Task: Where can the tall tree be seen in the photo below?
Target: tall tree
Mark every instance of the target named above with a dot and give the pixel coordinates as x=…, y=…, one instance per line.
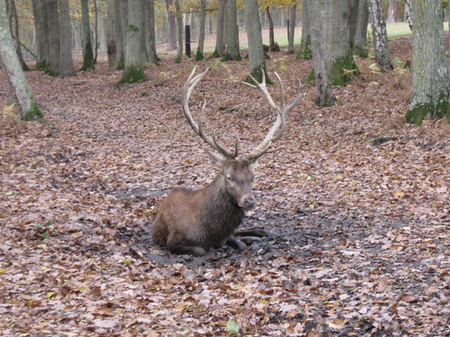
x=150, y=32
x=220, y=45
x=256, y=59
x=66, y=61
x=392, y=11
x=40, y=13
x=379, y=33
x=321, y=27
x=88, y=54
x=305, y=51
x=28, y=108
x=12, y=13
x=172, y=25
x=431, y=83
x=134, y=60
x=359, y=20
x=291, y=28
x=232, y=33
x=179, y=32
x=53, y=37
x=201, y=31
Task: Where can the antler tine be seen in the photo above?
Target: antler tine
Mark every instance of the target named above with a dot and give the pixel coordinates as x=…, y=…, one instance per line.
x=263, y=88
x=198, y=128
x=278, y=128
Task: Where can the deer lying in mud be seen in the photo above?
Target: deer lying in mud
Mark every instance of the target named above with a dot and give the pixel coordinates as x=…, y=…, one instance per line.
x=193, y=221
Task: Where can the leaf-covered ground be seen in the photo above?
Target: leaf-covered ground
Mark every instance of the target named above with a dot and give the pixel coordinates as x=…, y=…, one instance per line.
x=357, y=204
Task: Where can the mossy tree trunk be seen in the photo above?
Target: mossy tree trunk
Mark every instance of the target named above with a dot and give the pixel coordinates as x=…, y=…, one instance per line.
x=151, y=36
x=88, y=54
x=379, y=33
x=431, y=83
x=40, y=14
x=359, y=21
x=220, y=45
x=134, y=60
x=256, y=59
x=28, y=108
x=231, y=33
x=201, y=31
x=305, y=51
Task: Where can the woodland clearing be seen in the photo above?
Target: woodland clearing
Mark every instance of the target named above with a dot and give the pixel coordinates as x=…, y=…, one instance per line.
x=357, y=203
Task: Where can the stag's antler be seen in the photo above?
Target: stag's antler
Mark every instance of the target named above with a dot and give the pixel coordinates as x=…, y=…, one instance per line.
x=279, y=126
x=213, y=142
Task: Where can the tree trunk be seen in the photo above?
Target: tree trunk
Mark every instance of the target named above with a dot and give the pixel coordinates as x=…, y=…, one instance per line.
x=305, y=51
x=134, y=70
x=150, y=32
x=66, y=61
x=54, y=37
x=380, y=39
x=359, y=36
x=111, y=38
x=271, y=32
x=256, y=59
x=15, y=29
x=392, y=11
x=88, y=55
x=95, y=31
x=291, y=29
x=321, y=20
x=28, y=108
x=41, y=28
x=232, y=33
x=179, y=32
x=220, y=45
x=172, y=26
x=201, y=31
x=431, y=83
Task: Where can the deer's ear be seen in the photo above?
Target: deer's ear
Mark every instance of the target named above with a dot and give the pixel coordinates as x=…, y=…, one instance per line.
x=217, y=160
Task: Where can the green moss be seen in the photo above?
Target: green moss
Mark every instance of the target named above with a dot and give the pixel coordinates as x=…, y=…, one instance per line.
x=343, y=70
x=439, y=110
x=258, y=75
x=88, y=57
x=199, y=56
x=305, y=52
x=417, y=114
x=33, y=112
x=215, y=54
x=40, y=66
x=132, y=74
x=121, y=63
x=361, y=52
x=228, y=57
x=311, y=77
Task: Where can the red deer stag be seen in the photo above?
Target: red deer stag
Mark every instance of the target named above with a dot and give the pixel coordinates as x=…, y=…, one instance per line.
x=193, y=221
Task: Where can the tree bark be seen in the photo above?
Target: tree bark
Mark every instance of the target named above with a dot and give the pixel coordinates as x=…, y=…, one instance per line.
x=256, y=61
x=179, y=32
x=172, y=26
x=41, y=28
x=54, y=37
x=66, y=61
x=232, y=33
x=305, y=51
x=201, y=31
x=379, y=33
x=28, y=108
x=16, y=37
x=111, y=39
x=134, y=70
x=220, y=45
x=392, y=11
x=431, y=83
x=291, y=31
x=95, y=31
x=88, y=55
x=271, y=32
x=321, y=26
x=359, y=36
x=151, y=36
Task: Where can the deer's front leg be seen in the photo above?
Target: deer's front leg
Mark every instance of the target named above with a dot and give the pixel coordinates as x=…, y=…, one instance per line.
x=236, y=243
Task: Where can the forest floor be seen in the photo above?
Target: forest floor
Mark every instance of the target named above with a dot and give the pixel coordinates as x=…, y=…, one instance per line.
x=357, y=204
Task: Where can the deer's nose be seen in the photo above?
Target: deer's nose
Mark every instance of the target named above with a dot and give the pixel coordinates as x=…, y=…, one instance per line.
x=249, y=202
